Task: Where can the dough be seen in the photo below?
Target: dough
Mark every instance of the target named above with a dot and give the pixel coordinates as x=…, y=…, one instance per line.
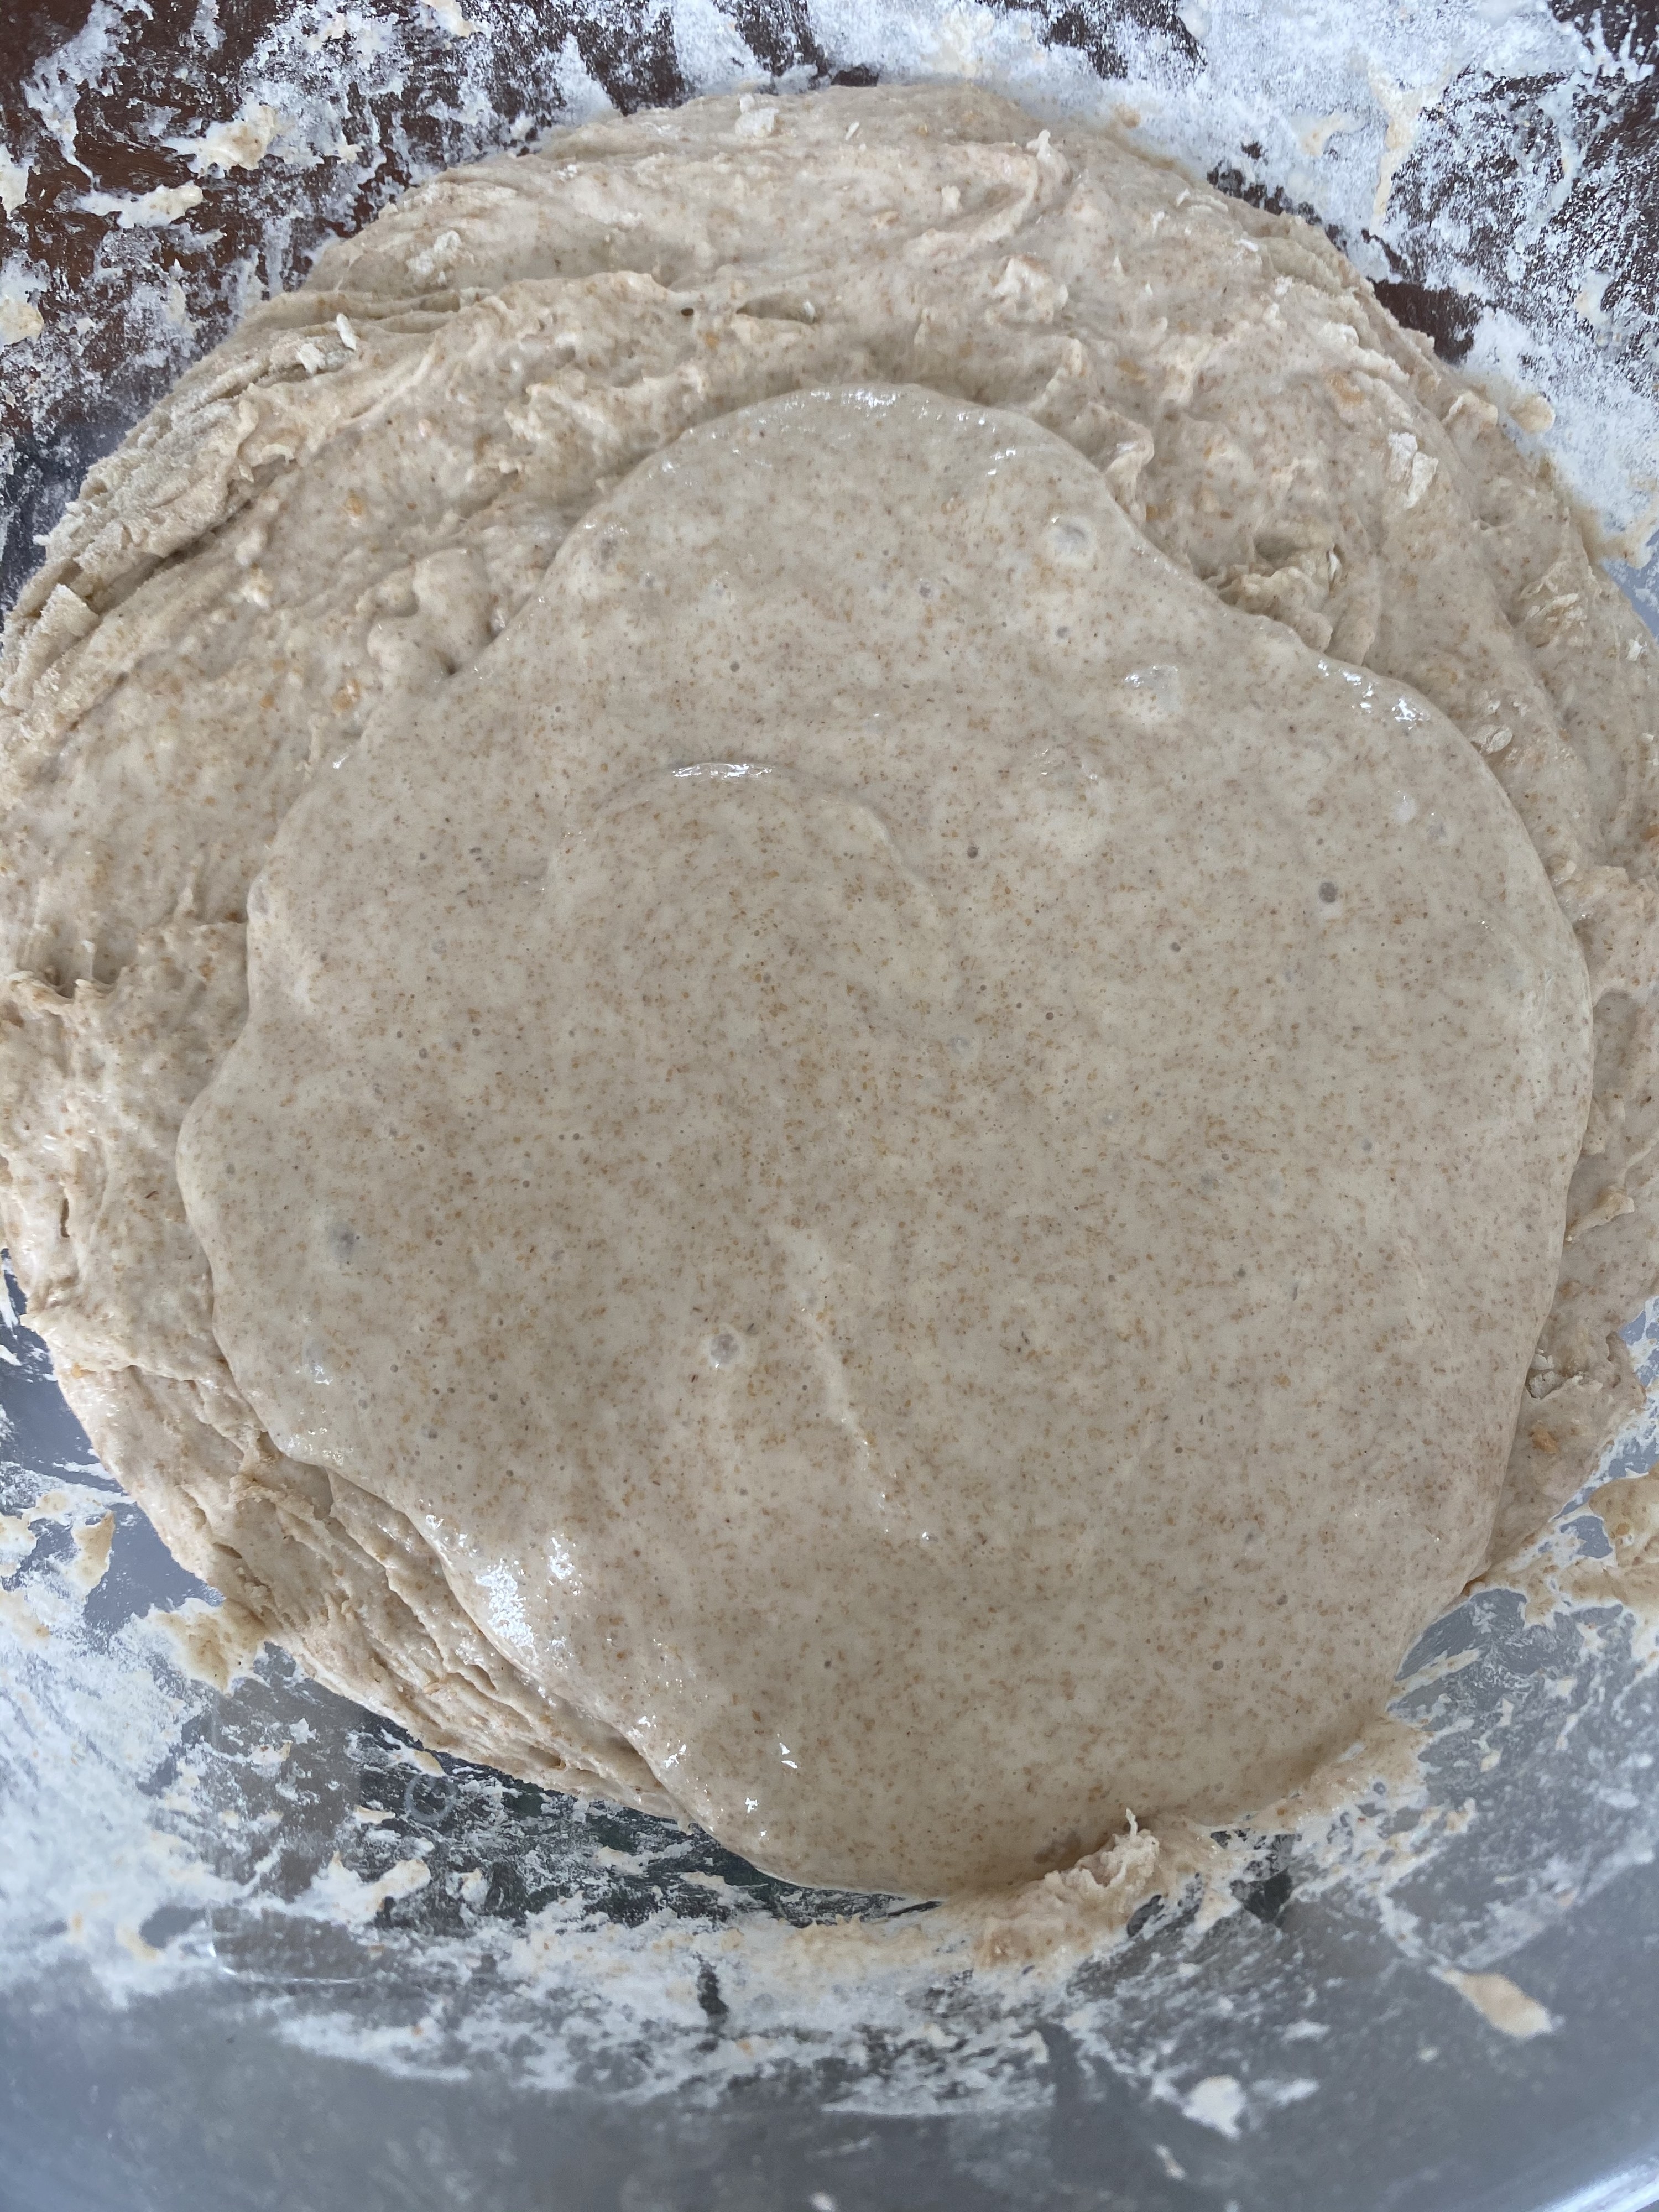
x=1063, y=592
x=933, y=1177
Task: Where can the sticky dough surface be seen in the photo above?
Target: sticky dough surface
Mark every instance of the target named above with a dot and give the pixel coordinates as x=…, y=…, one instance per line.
x=936, y=1178
x=929, y=851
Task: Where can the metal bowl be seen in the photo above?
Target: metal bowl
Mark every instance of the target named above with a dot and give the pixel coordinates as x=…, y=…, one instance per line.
x=260, y=1950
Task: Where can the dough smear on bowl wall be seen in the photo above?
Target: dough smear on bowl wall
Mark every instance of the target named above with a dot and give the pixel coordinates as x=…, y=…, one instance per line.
x=879, y=878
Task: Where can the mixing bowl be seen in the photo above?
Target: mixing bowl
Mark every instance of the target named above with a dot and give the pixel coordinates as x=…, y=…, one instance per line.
x=257, y=1948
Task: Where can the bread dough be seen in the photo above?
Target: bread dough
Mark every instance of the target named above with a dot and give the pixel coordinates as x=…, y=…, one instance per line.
x=934, y=1177
x=884, y=1440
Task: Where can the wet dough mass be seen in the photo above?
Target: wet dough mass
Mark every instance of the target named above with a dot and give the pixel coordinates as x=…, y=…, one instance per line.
x=879, y=873
x=944, y=1236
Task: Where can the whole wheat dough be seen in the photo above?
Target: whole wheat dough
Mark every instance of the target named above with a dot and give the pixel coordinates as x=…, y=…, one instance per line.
x=906, y=811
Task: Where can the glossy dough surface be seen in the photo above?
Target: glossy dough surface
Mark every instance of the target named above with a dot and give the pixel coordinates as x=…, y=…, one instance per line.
x=906, y=1126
